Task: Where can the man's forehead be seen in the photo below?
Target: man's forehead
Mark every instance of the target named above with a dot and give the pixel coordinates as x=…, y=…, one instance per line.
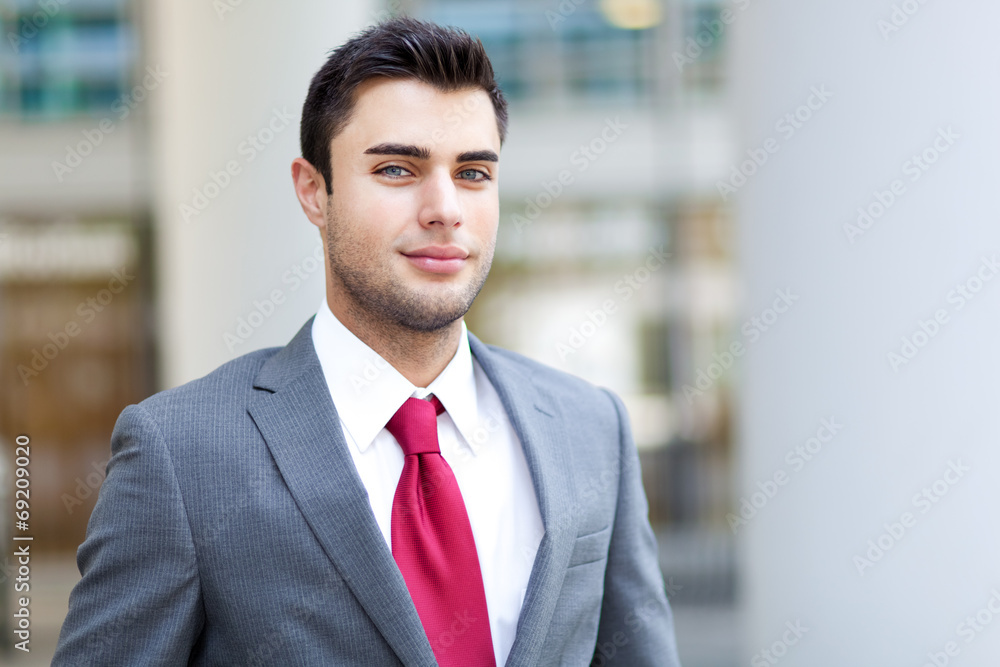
x=412, y=118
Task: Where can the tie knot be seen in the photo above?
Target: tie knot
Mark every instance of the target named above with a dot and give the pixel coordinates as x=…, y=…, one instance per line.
x=415, y=425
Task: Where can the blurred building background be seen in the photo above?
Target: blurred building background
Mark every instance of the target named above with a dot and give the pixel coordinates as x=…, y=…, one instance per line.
x=149, y=232
x=119, y=121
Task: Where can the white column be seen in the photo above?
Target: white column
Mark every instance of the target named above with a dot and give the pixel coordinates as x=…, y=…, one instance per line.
x=905, y=127
x=226, y=124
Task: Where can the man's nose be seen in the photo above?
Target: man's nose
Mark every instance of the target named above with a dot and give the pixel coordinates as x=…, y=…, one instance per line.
x=439, y=200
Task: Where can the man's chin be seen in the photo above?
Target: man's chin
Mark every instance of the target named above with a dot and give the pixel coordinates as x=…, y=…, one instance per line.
x=430, y=324
x=427, y=315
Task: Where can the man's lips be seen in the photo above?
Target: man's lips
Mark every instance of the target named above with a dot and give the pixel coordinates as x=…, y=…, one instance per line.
x=438, y=259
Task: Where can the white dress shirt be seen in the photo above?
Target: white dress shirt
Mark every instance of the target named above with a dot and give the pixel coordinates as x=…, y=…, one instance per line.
x=476, y=439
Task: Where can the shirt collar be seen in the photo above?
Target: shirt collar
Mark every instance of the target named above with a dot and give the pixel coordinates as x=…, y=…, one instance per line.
x=367, y=390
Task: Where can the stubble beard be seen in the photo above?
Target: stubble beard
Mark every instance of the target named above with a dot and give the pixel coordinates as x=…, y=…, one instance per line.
x=383, y=301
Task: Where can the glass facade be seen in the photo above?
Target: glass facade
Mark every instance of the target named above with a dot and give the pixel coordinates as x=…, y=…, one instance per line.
x=64, y=58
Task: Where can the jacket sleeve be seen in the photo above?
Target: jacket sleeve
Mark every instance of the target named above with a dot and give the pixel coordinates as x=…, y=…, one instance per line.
x=139, y=600
x=636, y=626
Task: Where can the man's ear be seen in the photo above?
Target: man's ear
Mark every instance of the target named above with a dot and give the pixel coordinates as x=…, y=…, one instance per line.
x=310, y=188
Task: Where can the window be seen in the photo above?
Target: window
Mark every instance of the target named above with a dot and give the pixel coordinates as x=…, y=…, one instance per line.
x=62, y=59
x=554, y=52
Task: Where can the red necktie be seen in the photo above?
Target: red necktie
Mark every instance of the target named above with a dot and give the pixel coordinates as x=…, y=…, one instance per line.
x=433, y=545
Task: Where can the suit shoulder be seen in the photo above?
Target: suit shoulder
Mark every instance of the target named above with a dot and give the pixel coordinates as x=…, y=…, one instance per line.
x=557, y=383
x=230, y=383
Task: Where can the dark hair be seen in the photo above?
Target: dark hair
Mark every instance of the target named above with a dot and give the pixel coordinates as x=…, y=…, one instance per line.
x=447, y=58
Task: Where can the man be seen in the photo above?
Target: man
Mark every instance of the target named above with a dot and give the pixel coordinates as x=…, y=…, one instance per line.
x=385, y=489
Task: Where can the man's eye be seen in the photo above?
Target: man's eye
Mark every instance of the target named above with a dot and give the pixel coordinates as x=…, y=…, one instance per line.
x=466, y=172
x=397, y=173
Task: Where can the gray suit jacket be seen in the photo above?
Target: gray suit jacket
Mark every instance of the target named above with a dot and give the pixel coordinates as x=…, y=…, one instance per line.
x=233, y=529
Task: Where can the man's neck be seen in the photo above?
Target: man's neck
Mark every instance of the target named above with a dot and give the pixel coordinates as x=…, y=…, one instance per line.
x=419, y=356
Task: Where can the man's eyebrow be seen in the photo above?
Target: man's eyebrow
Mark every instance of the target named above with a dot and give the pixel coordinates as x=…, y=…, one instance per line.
x=478, y=156
x=422, y=153
x=409, y=150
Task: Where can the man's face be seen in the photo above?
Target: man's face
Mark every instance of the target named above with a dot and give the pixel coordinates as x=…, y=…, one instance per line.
x=412, y=221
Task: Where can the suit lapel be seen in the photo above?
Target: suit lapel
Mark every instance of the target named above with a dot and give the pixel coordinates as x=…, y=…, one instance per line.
x=299, y=423
x=546, y=448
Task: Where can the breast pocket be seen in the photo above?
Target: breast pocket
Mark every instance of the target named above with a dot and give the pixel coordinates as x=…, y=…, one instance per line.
x=591, y=547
